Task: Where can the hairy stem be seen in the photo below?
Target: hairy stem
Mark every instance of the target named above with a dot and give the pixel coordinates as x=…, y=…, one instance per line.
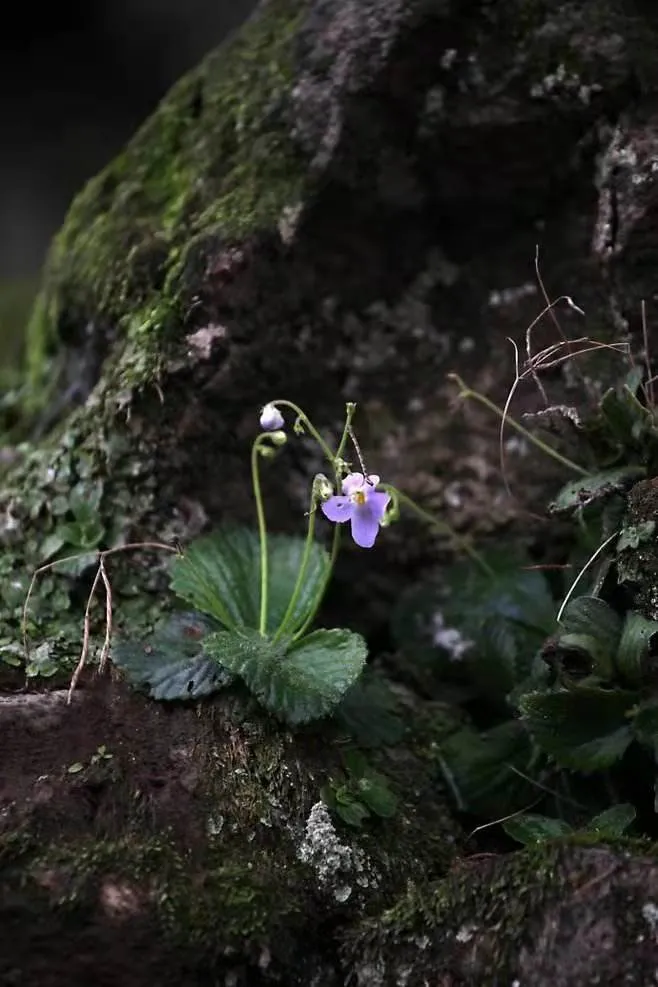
x=289, y=614
x=262, y=532
x=441, y=526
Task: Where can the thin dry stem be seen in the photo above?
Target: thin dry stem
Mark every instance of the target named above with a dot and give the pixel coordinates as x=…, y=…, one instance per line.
x=648, y=387
x=101, y=576
x=548, y=358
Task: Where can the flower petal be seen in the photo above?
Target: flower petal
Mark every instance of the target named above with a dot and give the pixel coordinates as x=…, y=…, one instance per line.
x=373, y=479
x=364, y=527
x=337, y=509
x=353, y=482
x=377, y=502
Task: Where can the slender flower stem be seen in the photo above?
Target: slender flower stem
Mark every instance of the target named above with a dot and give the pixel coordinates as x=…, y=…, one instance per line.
x=466, y=392
x=349, y=415
x=262, y=532
x=290, y=611
x=325, y=582
x=441, y=526
x=335, y=460
x=309, y=425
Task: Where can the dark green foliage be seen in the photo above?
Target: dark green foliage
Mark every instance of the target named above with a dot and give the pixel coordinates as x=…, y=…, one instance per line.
x=219, y=574
x=299, y=681
x=359, y=792
x=173, y=663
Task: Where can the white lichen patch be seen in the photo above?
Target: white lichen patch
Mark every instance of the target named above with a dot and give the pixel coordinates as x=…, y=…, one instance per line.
x=337, y=866
x=449, y=638
x=650, y=915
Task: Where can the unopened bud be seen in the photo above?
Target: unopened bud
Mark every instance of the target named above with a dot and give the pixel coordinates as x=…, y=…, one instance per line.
x=278, y=438
x=271, y=419
x=322, y=487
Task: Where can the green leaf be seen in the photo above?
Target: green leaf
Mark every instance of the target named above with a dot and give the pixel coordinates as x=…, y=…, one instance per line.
x=645, y=723
x=75, y=768
x=589, y=625
x=627, y=418
x=220, y=576
x=633, y=535
x=634, y=646
x=482, y=769
x=477, y=626
x=352, y=812
x=51, y=545
x=12, y=653
x=530, y=828
x=613, y=822
x=370, y=713
x=581, y=493
x=173, y=663
x=298, y=683
x=41, y=662
x=374, y=791
x=585, y=728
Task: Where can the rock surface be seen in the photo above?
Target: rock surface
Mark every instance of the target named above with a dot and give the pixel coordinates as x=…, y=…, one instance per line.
x=342, y=204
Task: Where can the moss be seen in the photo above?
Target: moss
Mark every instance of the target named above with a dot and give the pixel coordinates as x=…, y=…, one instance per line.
x=482, y=916
x=215, y=158
x=215, y=906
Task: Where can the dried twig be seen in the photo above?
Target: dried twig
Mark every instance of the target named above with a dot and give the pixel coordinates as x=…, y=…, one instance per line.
x=101, y=576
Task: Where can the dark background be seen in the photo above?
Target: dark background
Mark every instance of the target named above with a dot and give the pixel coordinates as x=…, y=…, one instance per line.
x=76, y=83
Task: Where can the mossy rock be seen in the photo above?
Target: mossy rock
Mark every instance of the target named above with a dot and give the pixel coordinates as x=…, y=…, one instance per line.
x=200, y=828
x=559, y=915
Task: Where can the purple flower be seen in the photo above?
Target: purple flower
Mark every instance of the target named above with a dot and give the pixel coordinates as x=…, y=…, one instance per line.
x=361, y=504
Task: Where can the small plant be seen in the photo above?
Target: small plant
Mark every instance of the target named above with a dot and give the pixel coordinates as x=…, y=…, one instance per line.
x=252, y=598
x=560, y=696
x=359, y=793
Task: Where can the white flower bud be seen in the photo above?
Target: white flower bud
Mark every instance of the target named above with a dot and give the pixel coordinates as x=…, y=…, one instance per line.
x=322, y=487
x=271, y=419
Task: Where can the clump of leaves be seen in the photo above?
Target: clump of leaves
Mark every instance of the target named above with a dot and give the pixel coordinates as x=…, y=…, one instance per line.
x=558, y=695
x=359, y=792
x=297, y=677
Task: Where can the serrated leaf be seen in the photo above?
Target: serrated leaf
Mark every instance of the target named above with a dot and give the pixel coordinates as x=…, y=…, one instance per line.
x=613, y=822
x=530, y=828
x=634, y=646
x=220, y=576
x=172, y=664
x=300, y=683
x=590, y=625
x=581, y=493
x=585, y=728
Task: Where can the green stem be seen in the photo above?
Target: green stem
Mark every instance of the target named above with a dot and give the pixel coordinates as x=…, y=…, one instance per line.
x=300, y=575
x=262, y=533
x=441, y=526
x=309, y=425
x=323, y=588
x=466, y=392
